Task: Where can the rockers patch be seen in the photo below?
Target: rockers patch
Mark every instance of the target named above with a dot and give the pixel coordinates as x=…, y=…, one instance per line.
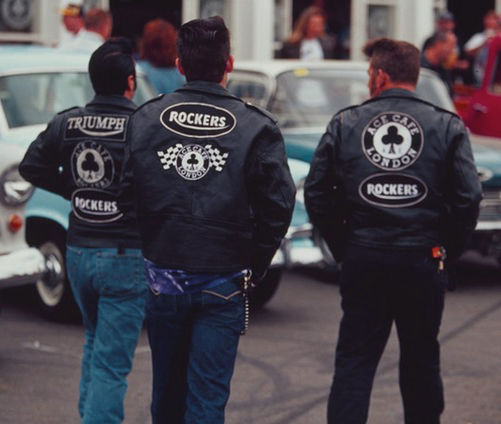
x=92, y=165
x=392, y=141
x=198, y=120
x=112, y=127
x=193, y=161
x=96, y=206
x=393, y=190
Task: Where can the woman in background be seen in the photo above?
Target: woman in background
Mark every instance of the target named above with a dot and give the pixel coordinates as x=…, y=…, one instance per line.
x=308, y=40
x=158, y=55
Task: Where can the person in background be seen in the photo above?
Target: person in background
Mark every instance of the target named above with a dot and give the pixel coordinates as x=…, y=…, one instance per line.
x=444, y=22
x=73, y=21
x=476, y=47
x=97, y=29
x=437, y=53
x=158, y=56
x=79, y=156
x=308, y=40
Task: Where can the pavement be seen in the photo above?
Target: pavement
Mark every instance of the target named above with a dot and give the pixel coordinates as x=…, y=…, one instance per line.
x=285, y=362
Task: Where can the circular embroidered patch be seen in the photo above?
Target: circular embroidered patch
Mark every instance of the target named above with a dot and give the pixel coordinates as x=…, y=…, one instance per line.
x=392, y=141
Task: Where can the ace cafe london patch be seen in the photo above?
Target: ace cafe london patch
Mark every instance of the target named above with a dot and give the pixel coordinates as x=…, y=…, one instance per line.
x=392, y=141
x=193, y=161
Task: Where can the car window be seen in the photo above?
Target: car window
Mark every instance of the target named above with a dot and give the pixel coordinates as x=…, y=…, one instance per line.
x=309, y=98
x=31, y=99
x=251, y=87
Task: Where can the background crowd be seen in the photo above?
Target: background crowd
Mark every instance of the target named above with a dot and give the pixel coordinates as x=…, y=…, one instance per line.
x=456, y=64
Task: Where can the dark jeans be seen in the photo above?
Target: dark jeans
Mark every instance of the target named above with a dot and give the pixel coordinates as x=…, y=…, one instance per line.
x=194, y=339
x=110, y=290
x=377, y=288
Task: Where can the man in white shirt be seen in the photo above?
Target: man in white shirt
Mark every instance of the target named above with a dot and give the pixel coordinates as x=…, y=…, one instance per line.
x=476, y=46
x=97, y=29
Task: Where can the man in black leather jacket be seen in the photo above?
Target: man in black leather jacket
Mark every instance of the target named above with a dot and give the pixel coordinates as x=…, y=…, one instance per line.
x=214, y=200
x=391, y=184
x=80, y=156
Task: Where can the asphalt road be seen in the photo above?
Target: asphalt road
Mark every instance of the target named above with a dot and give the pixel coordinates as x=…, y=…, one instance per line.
x=285, y=362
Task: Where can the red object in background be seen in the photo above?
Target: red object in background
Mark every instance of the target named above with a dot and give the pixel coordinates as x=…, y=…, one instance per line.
x=15, y=223
x=483, y=114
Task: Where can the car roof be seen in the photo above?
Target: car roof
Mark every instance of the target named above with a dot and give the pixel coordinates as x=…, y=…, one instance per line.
x=21, y=59
x=273, y=68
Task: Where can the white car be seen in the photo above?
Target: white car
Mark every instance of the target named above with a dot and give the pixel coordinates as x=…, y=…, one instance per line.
x=19, y=263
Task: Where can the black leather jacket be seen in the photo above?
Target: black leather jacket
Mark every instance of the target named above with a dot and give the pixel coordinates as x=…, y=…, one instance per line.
x=394, y=172
x=80, y=156
x=213, y=189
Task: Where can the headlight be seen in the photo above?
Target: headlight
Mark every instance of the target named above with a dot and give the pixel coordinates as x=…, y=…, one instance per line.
x=14, y=191
x=300, y=190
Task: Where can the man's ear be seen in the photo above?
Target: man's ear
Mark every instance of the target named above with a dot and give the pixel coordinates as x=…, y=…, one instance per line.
x=179, y=67
x=383, y=77
x=229, y=64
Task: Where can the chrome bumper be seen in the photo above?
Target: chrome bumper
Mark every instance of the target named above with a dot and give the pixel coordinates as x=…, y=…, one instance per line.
x=21, y=267
x=299, y=249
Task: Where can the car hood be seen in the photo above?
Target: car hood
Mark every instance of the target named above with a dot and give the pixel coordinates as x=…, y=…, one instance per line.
x=22, y=136
x=301, y=145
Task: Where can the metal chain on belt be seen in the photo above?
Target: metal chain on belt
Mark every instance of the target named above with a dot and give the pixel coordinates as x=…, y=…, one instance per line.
x=246, y=284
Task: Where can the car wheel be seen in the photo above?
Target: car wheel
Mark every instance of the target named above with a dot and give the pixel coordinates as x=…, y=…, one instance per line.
x=53, y=291
x=266, y=288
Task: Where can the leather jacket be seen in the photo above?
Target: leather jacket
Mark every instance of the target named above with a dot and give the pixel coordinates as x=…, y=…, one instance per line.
x=212, y=186
x=394, y=172
x=79, y=156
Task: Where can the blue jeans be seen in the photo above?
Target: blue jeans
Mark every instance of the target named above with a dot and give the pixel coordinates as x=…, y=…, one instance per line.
x=194, y=339
x=379, y=287
x=110, y=290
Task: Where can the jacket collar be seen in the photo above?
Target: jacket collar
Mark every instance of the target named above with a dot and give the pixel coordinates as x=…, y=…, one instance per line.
x=397, y=92
x=207, y=87
x=113, y=100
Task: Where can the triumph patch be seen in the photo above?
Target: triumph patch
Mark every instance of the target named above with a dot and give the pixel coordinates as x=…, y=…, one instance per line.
x=112, y=127
x=393, y=190
x=193, y=161
x=198, y=120
x=392, y=141
x=92, y=165
x=96, y=206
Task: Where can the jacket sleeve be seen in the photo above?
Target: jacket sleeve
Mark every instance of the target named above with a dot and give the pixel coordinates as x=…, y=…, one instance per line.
x=324, y=195
x=41, y=164
x=464, y=192
x=272, y=195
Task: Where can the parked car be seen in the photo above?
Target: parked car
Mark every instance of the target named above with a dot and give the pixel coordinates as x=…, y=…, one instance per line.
x=481, y=107
x=19, y=263
x=304, y=96
x=35, y=84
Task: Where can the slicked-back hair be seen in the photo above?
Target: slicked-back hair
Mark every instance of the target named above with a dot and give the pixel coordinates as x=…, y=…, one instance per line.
x=399, y=59
x=110, y=66
x=203, y=47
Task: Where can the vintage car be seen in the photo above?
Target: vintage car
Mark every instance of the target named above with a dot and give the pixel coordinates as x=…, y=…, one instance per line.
x=36, y=83
x=304, y=97
x=19, y=263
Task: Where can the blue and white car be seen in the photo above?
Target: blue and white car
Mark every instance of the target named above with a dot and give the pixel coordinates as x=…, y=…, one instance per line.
x=35, y=84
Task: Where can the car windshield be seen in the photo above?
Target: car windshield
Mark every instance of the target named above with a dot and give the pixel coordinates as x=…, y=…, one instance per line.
x=32, y=99
x=309, y=98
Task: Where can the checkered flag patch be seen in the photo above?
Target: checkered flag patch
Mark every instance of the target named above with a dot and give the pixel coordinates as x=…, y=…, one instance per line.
x=168, y=158
x=217, y=159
